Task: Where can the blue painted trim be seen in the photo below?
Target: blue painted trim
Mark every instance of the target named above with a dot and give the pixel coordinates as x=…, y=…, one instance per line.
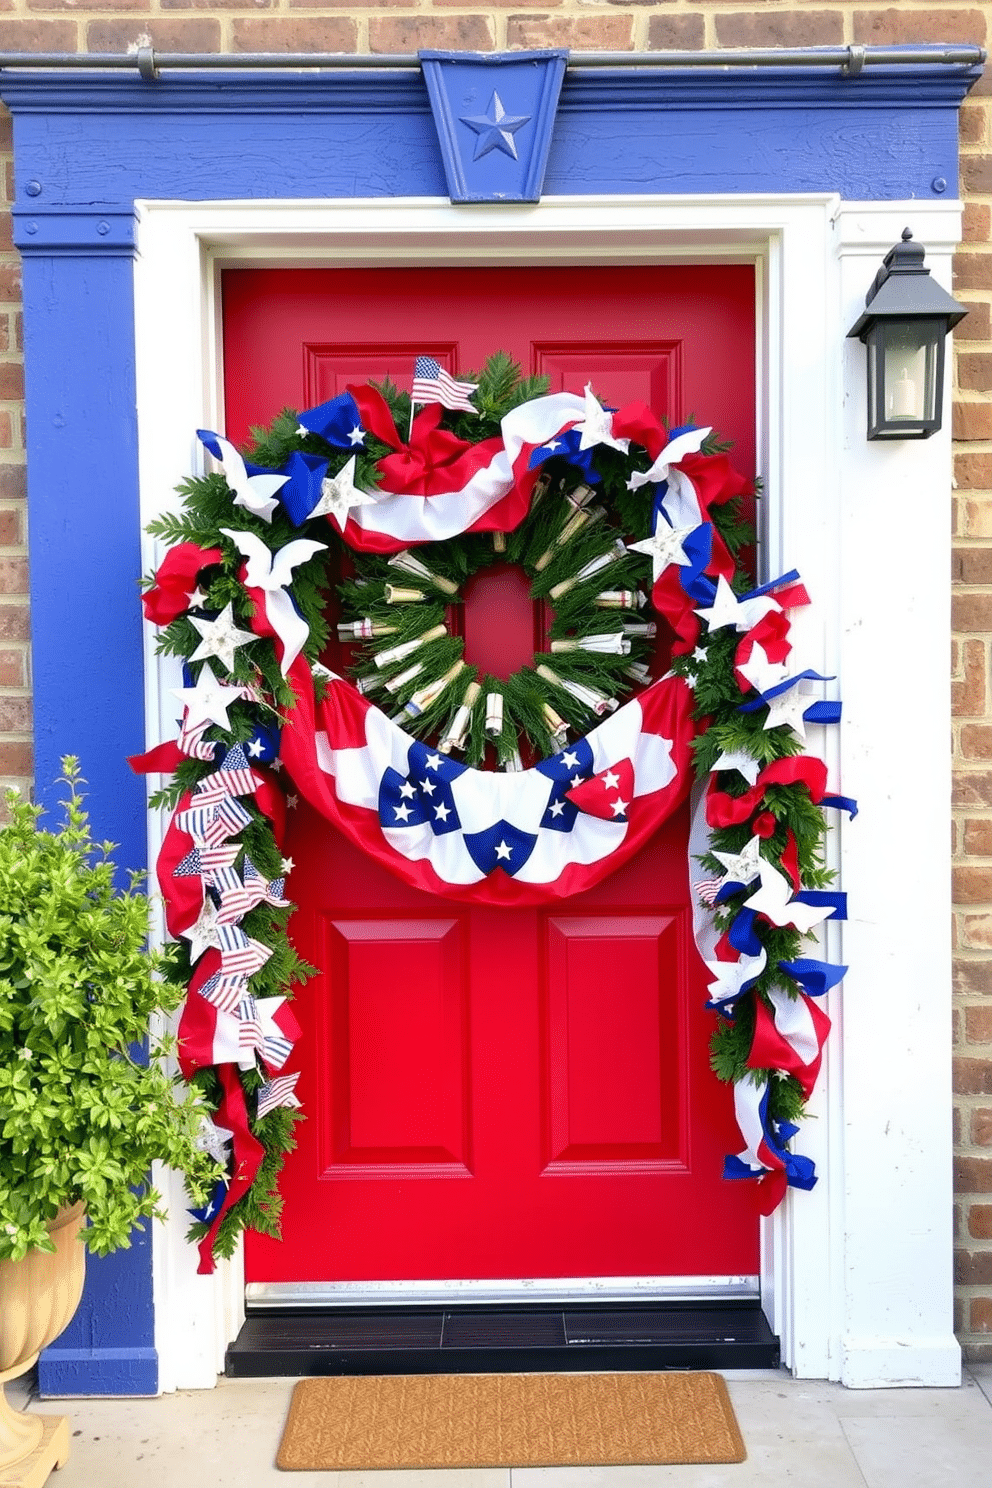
x=101, y=1371
x=77, y=231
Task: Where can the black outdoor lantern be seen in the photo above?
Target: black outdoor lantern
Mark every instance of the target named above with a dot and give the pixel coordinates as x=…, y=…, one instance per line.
x=906, y=319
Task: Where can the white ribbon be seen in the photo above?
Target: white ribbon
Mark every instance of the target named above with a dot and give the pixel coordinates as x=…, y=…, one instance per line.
x=271, y=572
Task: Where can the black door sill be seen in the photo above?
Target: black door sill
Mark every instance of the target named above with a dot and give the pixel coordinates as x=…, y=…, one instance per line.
x=503, y=1340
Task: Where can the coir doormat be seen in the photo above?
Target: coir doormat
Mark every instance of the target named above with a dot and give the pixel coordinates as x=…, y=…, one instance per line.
x=508, y=1420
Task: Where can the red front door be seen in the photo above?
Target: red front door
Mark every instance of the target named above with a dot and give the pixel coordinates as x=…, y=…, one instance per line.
x=502, y=1093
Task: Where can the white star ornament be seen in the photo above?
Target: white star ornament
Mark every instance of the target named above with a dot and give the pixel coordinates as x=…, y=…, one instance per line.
x=774, y=901
x=221, y=637
x=208, y=701
x=339, y=495
x=664, y=548
x=256, y=493
x=597, y=426
x=739, y=760
x=727, y=609
x=744, y=866
x=762, y=673
x=788, y=709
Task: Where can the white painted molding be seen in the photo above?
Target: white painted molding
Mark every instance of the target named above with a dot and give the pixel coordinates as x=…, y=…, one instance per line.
x=856, y=1275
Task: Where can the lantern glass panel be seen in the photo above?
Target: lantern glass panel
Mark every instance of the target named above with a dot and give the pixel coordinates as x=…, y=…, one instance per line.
x=905, y=362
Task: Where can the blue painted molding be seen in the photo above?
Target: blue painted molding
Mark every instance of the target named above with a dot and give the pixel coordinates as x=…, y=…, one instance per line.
x=87, y=146
x=78, y=231
x=494, y=115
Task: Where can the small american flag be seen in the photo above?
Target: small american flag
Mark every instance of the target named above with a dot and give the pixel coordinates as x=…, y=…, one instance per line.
x=277, y=1092
x=431, y=384
x=707, y=889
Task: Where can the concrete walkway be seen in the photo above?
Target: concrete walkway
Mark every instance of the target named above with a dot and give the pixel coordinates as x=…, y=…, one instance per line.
x=814, y=1435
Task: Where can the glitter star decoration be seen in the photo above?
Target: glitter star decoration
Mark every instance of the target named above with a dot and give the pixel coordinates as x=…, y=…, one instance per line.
x=208, y=701
x=597, y=426
x=664, y=548
x=339, y=495
x=220, y=637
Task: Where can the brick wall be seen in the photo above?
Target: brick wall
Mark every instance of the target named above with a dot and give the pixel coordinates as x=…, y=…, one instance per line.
x=405, y=25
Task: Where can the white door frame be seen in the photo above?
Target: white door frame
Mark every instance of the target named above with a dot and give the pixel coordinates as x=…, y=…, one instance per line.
x=857, y=1275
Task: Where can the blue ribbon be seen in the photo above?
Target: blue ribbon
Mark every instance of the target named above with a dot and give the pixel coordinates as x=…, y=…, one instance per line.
x=335, y=421
x=742, y=934
x=825, y=711
x=815, y=977
x=209, y=1212
x=841, y=803
x=786, y=686
x=568, y=450
x=820, y=897
x=301, y=492
x=787, y=578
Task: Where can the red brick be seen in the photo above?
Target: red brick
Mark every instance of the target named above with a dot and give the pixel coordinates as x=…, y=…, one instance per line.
x=356, y=4
x=12, y=670
x=10, y=282
x=981, y=1314
x=978, y=836
x=973, y=1268
x=981, y=1127
x=977, y=324
x=215, y=4
x=13, y=576
x=976, y=175
x=70, y=5
x=780, y=28
x=15, y=715
x=16, y=760
x=295, y=34
x=38, y=36
x=978, y=1026
x=592, y=33
x=972, y=1175
x=968, y=686
x=674, y=33
x=973, y=1077
x=973, y=976
x=972, y=421
x=11, y=384
x=980, y=1221
x=6, y=431
x=975, y=371
x=493, y=4
x=168, y=36
x=15, y=622
x=409, y=33
x=972, y=788
x=972, y=565
x=971, y=270
x=936, y=23
x=971, y=613
x=976, y=741
x=972, y=124
x=10, y=528
x=13, y=482
x=975, y=931
x=976, y=224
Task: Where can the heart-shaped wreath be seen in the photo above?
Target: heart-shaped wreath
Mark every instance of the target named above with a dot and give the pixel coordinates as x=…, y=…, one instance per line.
x=506, y=790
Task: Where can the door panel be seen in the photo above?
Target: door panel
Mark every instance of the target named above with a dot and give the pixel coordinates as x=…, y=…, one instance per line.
x=491, y=1092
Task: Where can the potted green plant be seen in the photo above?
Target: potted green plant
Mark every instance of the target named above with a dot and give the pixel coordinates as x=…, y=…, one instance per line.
x=84, y=1111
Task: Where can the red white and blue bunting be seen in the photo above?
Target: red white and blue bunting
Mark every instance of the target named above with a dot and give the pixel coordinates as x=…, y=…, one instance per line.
x=541, y=833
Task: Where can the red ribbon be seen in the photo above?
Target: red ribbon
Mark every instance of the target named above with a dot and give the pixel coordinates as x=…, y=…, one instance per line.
x=727, y=811
x=176, y=580
x=248, y=1154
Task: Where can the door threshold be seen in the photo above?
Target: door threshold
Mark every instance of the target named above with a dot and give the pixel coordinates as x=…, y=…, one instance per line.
x=503, y=1339
x=551, y=1291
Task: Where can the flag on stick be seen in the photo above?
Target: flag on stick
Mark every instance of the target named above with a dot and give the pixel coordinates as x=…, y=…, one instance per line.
x=432, y=384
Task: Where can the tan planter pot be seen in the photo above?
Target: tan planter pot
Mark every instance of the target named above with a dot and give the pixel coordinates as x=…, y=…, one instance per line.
x=38, y=1296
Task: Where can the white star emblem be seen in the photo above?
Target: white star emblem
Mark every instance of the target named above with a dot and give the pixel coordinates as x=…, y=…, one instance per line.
x=737, y=759
x=442, y=812
x=357, y=435
x=286, y=865
x=208, y=701
x=727, y=609
x=597, y=426
x=570, y=760
x=339, y=495
x=213, y=1140
x=788, y=708
x=762, y=673
x=428, y=787
x=611, y=780
x=502, y=851
x=407, y=790
x=204, y=932
x=664, y=548
x=552, y=445
x=221, y=637
x=254, y=747
x=558, y=808
x=433, y=762
x=575, y=782
x=618, y=807
x=774, y=898
x=402, y=812
x=744, y=866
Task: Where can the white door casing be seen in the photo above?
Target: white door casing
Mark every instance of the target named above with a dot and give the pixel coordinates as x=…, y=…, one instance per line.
x=857, y=1275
